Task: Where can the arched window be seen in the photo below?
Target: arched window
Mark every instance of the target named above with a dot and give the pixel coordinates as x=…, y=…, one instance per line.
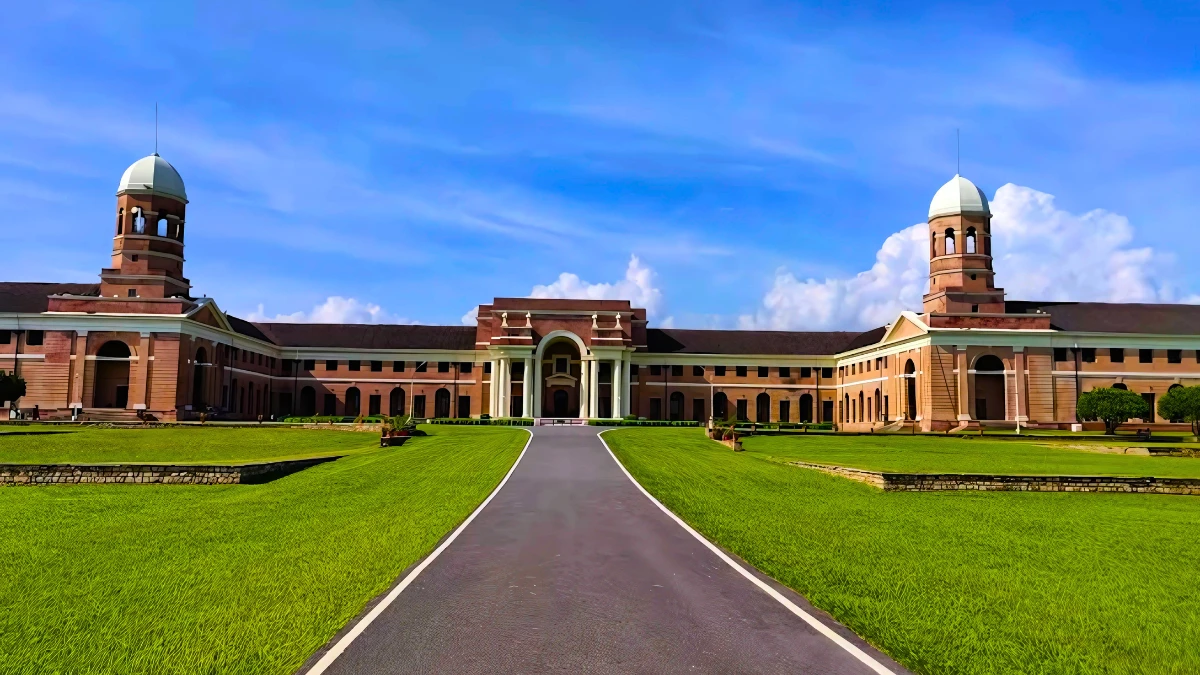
x=396, y=402
x=806, y=408
x=441, y=403
x=762, y=406
x=932, y=245
x=845, y=408
x=862, y=415
x=120, y=220
x=989, y=364
x=162, y=227
x=878, y=406
x=910, y=380
x=353, y=402
x=676, y=406
x=1121, y=386
x=720, y=406
x=949, y=241
x=139, y=220
x=970, y=240
x=179, y=231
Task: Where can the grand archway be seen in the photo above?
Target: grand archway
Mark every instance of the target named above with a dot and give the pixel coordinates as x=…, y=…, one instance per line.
x=989, y=388
x=561, y=371
x=112, y=375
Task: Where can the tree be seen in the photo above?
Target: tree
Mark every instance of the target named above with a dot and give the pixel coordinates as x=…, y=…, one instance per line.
x=1112, y=406
x=12, y=388
x=1182, y=404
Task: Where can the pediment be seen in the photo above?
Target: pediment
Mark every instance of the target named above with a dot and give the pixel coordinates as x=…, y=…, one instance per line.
x=562, y=379
x=209, y=314
x=907, y=325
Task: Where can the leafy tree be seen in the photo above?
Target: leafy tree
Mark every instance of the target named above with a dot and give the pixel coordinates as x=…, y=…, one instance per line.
x=1112, y=406
x=1182, y=404
x=12, y=388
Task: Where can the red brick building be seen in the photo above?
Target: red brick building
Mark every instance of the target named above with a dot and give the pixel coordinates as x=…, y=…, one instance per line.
x=138, y=342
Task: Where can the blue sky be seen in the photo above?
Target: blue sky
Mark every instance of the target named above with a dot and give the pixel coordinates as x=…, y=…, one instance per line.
x=424, y=157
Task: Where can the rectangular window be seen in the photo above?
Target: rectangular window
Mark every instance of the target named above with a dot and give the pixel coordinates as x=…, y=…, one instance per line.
x=397, y=366
x=131, y=293
x=841, y=371
x=287, y=366
x=764, y=371
x=443, y=366
x=310, y=364
x=330, y=407
x=355, y=365
x=742, y=414
x=633, y=372
x=517, y=371
x=884, y=412
x=605, y=374
x=741, y=371
x=785, y=410
x=487, y=367
x=1116, y=355
x=331, y=364
x=34, y=338
x=1089, y=355
x=784, y=371
x=1060, y=354
x=878, y=362
x=655, y=371
x=562, y=364
x=421, y=368
x=656, y=408
x=464, y=368
x=377, y=366
x=1174, y=356
x=697, y=371
x=419, y=406
x=698, y=409
x=805, y=372
x=373, y=404
x=719, y=371
x=853, y=370
x=827, y=372
x=464, y=406
x=1145, y=356
x=676, y=371
x=885, y=362
x=5, y=337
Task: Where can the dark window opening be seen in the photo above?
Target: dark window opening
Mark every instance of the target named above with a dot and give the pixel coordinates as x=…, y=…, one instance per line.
x=764, y=371
x=1145, y=356
x=310, y=364
x=421, y=368
x=741, y=371
x=719, y=371
x=377, y=366
x=330, y=407
x=1174, y=356
x=1060, y=354
x=444, y=367
x=464, y=368
x=805, y=372
x=784, y=371
x=1116, y=355
x=374, y=404
x=698, y=371
x=827, y=372
x=355, y=365
x=676, y=371
x=34, y=338
x=397, y=366
x=655, y=371
x=331, y=364
x=1089, y=355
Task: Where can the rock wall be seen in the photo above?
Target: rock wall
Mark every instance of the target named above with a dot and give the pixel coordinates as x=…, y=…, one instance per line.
x=59, y=474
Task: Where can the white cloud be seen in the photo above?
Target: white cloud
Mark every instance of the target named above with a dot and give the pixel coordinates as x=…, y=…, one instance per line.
x=1041, y=253
x=471, y=318
x=335, y=309
x=637, y=287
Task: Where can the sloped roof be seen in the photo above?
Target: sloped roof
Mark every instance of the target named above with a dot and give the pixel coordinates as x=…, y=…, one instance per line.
x=683, y=341
x=31, y=297
x=1112, y=317
x=366, y=336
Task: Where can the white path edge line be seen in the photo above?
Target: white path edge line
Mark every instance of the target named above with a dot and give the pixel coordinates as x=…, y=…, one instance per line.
x=811, y=620
x=341, y=645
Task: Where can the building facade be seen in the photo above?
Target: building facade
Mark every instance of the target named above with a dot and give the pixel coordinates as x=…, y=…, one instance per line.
x=138, y=344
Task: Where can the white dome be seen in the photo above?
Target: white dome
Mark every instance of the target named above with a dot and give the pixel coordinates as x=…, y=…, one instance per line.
x=152, y=175
x=959, y=196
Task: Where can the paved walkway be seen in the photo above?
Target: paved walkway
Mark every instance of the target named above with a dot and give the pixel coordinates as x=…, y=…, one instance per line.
x=572, y=569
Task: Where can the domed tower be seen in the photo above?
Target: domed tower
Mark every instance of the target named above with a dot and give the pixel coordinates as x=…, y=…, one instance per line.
x=147, y=257
x=961, y=279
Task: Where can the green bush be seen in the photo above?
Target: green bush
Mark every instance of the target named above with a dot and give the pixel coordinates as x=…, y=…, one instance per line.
x=642, y=423
x=484, y=422
x=1112, y=406
x=337, y=419
x=1182, y=404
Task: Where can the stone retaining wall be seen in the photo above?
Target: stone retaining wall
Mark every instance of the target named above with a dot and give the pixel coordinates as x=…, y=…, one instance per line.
x=932, y=482
x=58, y=474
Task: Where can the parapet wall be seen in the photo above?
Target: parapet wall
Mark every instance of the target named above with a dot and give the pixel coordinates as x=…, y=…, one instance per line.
x=61, y=474
x=933, y=482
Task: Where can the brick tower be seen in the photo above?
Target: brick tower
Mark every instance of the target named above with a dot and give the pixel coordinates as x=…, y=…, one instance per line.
x=961, y=279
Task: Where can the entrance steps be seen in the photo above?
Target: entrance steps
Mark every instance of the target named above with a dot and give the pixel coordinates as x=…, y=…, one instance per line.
x=559, y=421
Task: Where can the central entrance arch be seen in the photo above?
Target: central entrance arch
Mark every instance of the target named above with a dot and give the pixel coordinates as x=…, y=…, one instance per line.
x=989, y=388
x=559, y=369
x=112, y=375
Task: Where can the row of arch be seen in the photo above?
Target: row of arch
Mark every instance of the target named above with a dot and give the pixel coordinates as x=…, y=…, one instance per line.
x=762, y=407
x=165, y=227
x=352, y=406
x=950, y=243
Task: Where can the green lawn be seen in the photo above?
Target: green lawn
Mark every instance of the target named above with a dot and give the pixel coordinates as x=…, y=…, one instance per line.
x=950, y=582
x=229, y=579
x=177, y=445
x=924, y=454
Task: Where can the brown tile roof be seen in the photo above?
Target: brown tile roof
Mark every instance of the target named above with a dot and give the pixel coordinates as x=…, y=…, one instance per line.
x=1105, y=317
x=681, y=341
x=22, y=296
x=367, y=336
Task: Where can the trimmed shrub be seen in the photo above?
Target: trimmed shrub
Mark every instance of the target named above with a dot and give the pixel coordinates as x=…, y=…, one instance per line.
x=1112, y=406
x=482, y=422
x=643, y=423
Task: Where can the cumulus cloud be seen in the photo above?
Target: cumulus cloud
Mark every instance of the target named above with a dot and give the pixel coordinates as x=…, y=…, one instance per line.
x=335, y=309
x=638, y=287
x=1041, y=252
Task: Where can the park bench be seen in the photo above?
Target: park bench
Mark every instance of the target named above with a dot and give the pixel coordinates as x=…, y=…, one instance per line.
x=1142, y=435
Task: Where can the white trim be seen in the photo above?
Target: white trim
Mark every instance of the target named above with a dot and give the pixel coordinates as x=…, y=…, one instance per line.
x=340, y=646
x=1137, y=374
x=850, y=647
x=27, y=357
x=885, y=378
x=718, y=385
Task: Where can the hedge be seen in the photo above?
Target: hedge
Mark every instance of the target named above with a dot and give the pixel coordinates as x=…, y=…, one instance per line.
x=643, y=423
x=326, y=419
x=474, y=421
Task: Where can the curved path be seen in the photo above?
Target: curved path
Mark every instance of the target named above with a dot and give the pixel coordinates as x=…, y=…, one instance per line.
x=571, y=568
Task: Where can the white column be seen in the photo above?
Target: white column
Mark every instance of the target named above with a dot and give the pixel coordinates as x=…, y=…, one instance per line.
x=618, y=395
x=505, y=389
x=527, y=389
x=585, y=395
x=627, y=393
x=537, y=387
x=493, y=390
x=594, y=405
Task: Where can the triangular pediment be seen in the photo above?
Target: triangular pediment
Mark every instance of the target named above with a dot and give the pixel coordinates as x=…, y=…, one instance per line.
x=907, y=325
x=207, y=313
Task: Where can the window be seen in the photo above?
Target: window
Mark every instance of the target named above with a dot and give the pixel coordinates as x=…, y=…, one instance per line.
x=655, y=371
x=853, y=369
x=764, y=371
x=562, y=364
x=633, y=372
x=698, y=371
x=785, y=411
x=419, y=406
x=1116, y=355
x=397, y=366
x=784, y=371
x=805, y=372
x=1060, y=354
x=374, y=403
x=465, y=368
x=377, y=366
x=1089, y=354
x=878, y=362
x=421, y=368
x=655, y=408
x=949, y=241
x=34, y=338
x=287, y=367
x=1145, y=356
x=676, y=371
x=719, y=371
x=444, y=367
x=1174, y=356
x=885, y=362
x=487, y=367
x=741, y=371
x=743, y=414
x=827, y=372
x=131, y=293
x=5, y=337
x=331, y=364
x=970, y=240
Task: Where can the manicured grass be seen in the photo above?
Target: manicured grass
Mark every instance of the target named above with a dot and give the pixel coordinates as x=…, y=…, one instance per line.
x=176, y=445
x=950, y=582
x=228, y=579
x=923, y=454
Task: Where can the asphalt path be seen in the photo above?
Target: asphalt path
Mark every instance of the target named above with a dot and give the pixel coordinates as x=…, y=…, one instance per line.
x=571, y=568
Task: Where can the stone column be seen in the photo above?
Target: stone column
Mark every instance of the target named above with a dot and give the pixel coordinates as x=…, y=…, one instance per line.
x=527, y=389
x=79, y=368
x=585, y=390
x=1022, y=395
x=139, y=395
x=960, y=360
x=618, y=394
x=492, y=388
